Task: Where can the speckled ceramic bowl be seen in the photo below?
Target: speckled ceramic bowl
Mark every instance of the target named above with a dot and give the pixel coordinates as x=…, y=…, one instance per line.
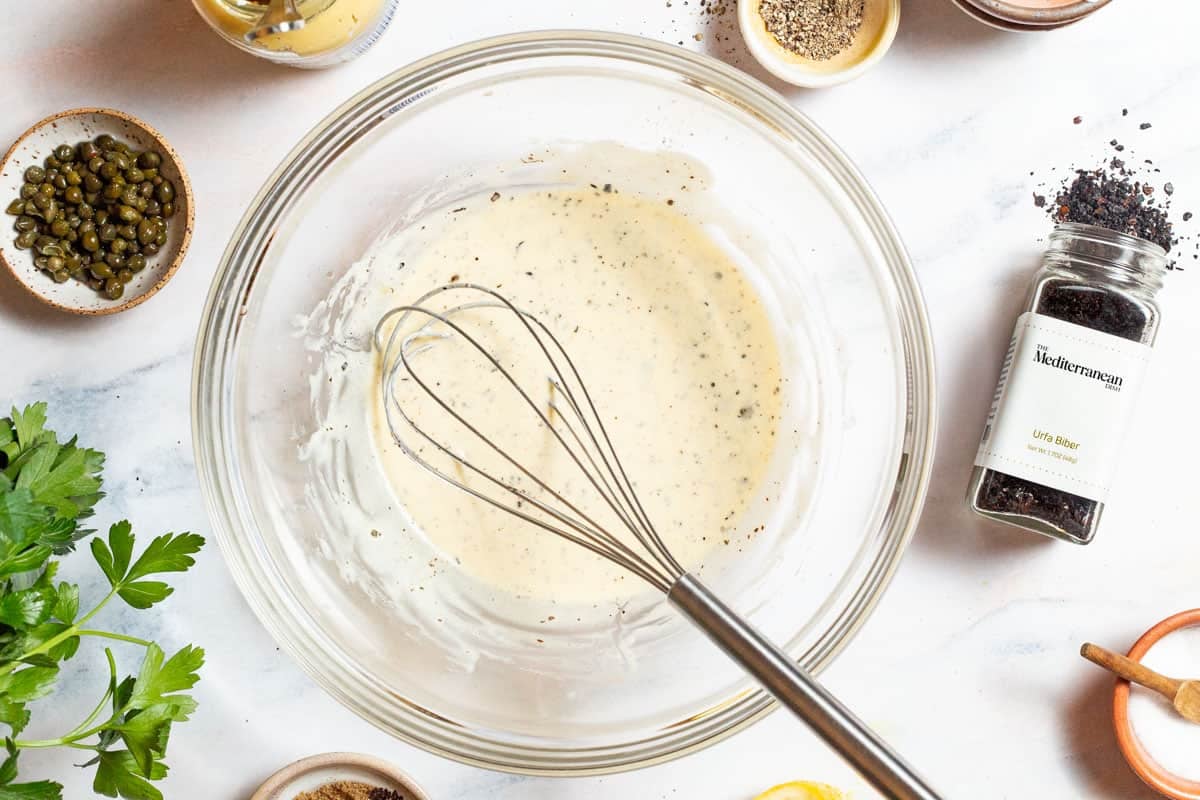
x=313, y=772
x=71, y=127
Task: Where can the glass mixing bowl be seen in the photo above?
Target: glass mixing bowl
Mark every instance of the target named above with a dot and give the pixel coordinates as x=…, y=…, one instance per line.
x=853, y=455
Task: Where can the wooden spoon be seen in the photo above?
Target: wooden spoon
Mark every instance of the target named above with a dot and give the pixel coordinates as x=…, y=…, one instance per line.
x=1184, y=695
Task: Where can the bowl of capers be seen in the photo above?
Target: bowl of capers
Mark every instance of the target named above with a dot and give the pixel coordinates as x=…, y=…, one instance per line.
x=99, y=210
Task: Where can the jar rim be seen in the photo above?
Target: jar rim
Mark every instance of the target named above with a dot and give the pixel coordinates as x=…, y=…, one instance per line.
x=1104, y=247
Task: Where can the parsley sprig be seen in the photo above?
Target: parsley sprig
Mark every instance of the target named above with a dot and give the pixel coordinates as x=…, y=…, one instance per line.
x=47, y=489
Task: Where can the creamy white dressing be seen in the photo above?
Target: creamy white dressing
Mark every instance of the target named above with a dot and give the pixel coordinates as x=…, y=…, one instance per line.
x=671, y=339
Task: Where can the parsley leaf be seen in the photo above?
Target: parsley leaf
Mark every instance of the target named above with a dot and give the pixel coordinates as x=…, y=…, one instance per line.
x=118, y=773
x=157, y=680
x=46, y=487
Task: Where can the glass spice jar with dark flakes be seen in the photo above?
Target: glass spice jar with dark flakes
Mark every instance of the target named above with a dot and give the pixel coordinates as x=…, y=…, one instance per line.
x=1069, y=382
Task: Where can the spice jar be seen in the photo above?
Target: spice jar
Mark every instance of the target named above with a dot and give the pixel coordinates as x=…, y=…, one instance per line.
x=1069, y=383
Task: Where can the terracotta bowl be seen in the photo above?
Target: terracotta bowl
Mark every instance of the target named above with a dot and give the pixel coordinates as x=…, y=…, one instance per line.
x=72, y=127
x=1149, y=770
x=315, y=771
x=1011, y=16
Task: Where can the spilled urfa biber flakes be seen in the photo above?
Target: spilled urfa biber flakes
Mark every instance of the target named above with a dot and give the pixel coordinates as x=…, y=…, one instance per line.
x=1111, y=198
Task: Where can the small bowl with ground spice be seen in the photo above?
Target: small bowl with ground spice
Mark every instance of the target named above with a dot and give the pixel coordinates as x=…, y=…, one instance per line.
x=818, y=43
x=339, y=776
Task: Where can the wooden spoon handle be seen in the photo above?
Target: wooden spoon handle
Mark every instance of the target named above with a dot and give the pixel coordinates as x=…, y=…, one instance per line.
x=1131, y=670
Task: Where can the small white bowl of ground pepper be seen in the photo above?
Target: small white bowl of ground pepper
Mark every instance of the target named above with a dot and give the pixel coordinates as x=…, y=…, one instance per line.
x=818, y=43
x=339, y=776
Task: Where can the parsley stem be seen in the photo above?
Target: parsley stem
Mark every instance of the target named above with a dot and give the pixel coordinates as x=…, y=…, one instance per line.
x=54, y=640
x=39, y=743
x=109, y=635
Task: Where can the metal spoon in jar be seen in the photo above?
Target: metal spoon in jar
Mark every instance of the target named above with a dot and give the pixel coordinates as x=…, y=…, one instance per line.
x=281, y=16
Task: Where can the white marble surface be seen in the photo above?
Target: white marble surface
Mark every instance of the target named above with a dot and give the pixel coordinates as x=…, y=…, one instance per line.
x=969, y=666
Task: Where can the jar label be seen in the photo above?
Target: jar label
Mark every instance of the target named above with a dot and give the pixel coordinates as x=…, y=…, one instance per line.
x=1065, y=397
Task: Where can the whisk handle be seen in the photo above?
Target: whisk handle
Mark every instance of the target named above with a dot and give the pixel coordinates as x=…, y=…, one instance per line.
x=795, y=688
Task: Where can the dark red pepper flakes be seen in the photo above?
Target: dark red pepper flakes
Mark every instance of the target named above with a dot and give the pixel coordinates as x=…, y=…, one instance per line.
x=1077, y=120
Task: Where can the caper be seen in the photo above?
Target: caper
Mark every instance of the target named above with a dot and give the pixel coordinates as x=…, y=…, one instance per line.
x=129, y=232
x=161, y=238
x=113, y=289
x=41, y=261
x=54, y=249
x=85, y=211
x=59, y=181
x=92, y=184
x=165, y=192
x=157, y=180
x=101, y=269
x=168, y=210
x=118, y=245
x=51, y=162
x=121, y=162
x=87, y=225
x=55, y=263
x=73, y=195
x=108, y=232
x=46, y=189
x=105, y=142
x=129, y=195
x=60, y=227
x=128, y=214
x=73, y=263
x=150, y=249
x=146, y=231
x=62, y=276
x=112, y=192
x=41, y=202
x=92, y=197
x=73, y=177
x=26, y=240
x=88, y=151
x=125, y=275
x=90, y=241
x=149, y=160
x=108, y=170
x=136, y=263
x=35, y=175
x=28, y=191
x=101, y=216
x=150, y=174
x=64, y=152
x=24, y=223
x=153, y=208
x=115, y=261
x=134, y=175
x=95, y=164
x=146, y=189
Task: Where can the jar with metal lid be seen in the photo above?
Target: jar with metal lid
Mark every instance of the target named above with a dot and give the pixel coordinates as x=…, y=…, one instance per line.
x=1069, y=383
x=299, y=33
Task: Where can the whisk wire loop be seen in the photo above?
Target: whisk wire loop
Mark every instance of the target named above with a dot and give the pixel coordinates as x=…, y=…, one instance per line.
x=593, y=452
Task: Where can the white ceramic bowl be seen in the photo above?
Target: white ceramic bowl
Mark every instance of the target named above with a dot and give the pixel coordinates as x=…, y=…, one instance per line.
x=799, y=71
x=71, y=127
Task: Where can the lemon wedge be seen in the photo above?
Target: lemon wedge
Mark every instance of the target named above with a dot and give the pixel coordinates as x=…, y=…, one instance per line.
x=802, y=790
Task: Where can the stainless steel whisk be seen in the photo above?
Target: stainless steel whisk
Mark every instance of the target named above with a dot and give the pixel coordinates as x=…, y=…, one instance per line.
x=564, y=408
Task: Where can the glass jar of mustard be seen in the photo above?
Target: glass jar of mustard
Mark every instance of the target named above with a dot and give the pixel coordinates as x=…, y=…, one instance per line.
x=1069, y=383
x=327, y=32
